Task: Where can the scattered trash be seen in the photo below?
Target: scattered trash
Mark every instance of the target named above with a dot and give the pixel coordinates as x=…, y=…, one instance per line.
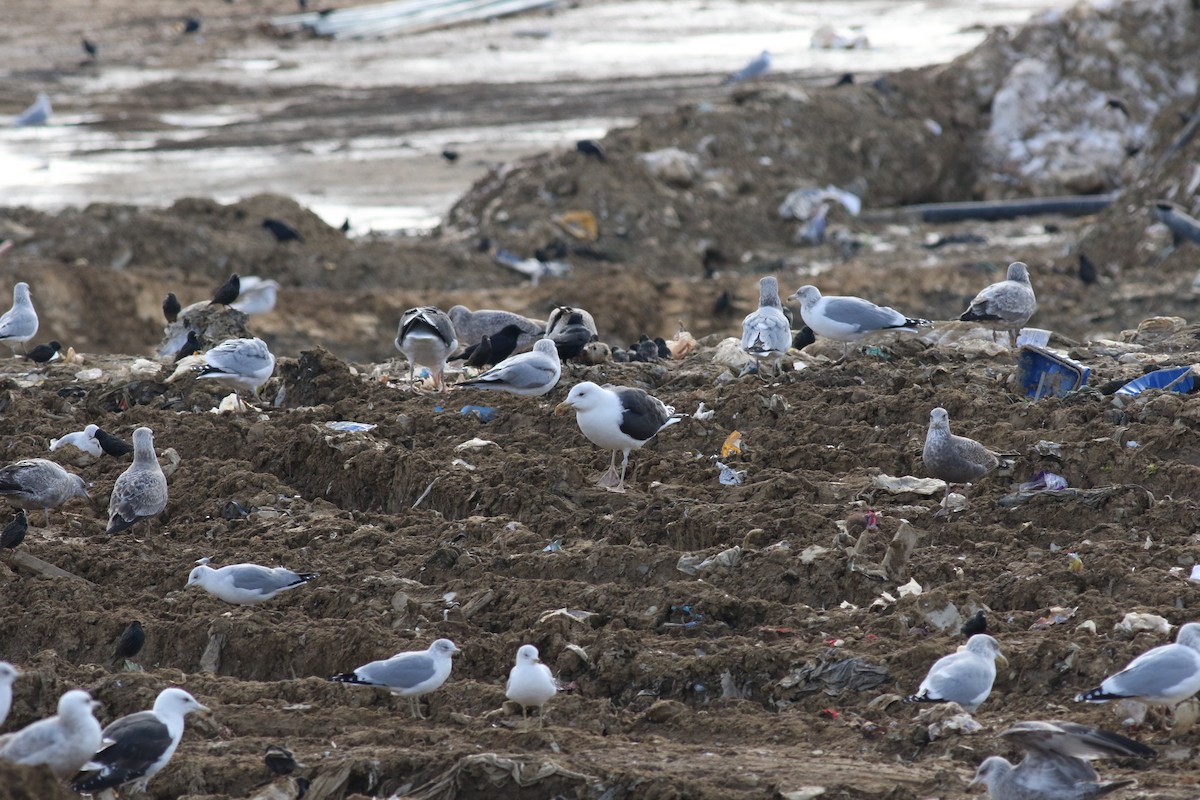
x=580, y=224
x=912, y=588
x=703, y=414
x=482, y=413
x=730, y=476
x=1136, y=622
x=826, y=38
x=1057, y=615
x=732, y=445
x=1172, y=379
x=672, y=166
x=694, y=565
x=1046, y=374
x=907, y=483
x=554, y=547
x=1074, y=562
x=1046, y=448
x=1044, y=481
x=1038, y=337
x=573, y=614
x=835, y=677
x=1195, y=576
x=683, y=617
x=474, y=444
x=350, y=427
x=803, y=204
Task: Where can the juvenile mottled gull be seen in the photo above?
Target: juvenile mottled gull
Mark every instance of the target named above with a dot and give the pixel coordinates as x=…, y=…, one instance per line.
x=141, y=744
x=1056, y=765
x=427, y=338
x=20, y=323
x=409, y=674
x=1008, y=304
x=239, y=364
x=616, y=418
x=964, y=677
x=470, y=326
x=1166, y=675
x=37, y=483
x=246, y=584
x=848, y=319
x=766, y=333
x=8, y=674
x=954, y=459
x=63, y=742
x=531, y=374
x=530, y=682
x=141, y=490
x=84, y=440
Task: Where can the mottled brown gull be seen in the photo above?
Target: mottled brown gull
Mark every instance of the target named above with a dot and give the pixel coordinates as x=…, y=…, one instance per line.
x=954, y=459
x=141, y=490
x=39, y=484
x=1008, y=304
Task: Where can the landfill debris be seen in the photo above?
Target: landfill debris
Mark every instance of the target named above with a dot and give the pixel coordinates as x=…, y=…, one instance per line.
x=730, y=476
x=1044, y=481
x=690, y=564
x=835, y=677
x=732, y=445
x=481, y=413
x=1042, y=373
x=802, y=204
x=908, y=483
x=1195, y=576
x=1136, y=622
x=826, y=38
x=1074, y=563
x=1048, y=448
x=1172, y=379
x=554, y=547
x=702, y=413
x=351, y=427
x=1055, y=616
x=910, y=589
x=474, y=444
x=672, y=166
x=580, y=224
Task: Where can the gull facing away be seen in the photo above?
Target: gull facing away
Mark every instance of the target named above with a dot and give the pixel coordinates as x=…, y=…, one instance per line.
x=63, y=742
x=1056, y=765
x=617, y=418
x=410, y=674
x=37, y=483
x=530, y=682
x=1008, y=305
x=954, y=459
x=20, y=323
x=238, y=364
x=37, y=114
x=848, y=319
x=246, y=584
x=84, y=440
x=1164, y=675
x=965, y=677
x=766, y=333
x=8, y=674
x=140, y=744
x=426, y=337
x=141, y=490
x=531, y=374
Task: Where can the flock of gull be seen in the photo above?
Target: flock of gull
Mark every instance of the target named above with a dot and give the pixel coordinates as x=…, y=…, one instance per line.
x=525, y=357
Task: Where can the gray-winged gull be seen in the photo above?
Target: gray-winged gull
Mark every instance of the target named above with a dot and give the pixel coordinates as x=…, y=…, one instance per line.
x=766, y=333
x=531, y=374
x=530, y=682
x=1008, y=304
x=1056, y=765
x=37, y=483
x=848, y=319
x=617, y=418
x=470, y=326
x=256, y=295
x=410, y=674
x=141, y=744
x=141, y=490
x=20, y=323
x=426, y=337
x=37, y=114
x=8, y=674
x=63, y=742
x=954, y=459
x=964, y=677
x=246, y=584
x=84, y=440
x=757, y=67
x=238, y=364
x=1166, y=675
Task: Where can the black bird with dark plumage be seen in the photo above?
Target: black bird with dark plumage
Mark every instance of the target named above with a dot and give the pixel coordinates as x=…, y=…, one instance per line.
x=280, y=760
x=478, y=355
x=114, y=446
x=1087, y=270
x=14, y=532
x=191, y=346
x=723, y=305
x=282, y=231
x=590, y=147
x=91, y=48
x=227, y=292
x=664, y=352
x=803, y=338
x=644, y=350
x=171, y=307
x=345, y=227
x=974, y=625
x=44, y=352
x=191, y=24
x=504, y=342
x=450, y=155
x=130, y=644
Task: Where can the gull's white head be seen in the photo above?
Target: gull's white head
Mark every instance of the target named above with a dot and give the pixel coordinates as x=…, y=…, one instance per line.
x=176, y=703
x=528, y=654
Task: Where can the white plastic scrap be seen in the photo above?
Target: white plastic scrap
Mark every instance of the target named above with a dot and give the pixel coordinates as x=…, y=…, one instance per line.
x=730, y=476
x=1135, y=622
x=703, y=414
x=474, y=444
x=911, y=588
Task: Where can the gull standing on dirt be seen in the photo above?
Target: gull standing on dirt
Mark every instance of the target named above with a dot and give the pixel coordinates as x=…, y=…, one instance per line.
x=426, y=337
x=20, y=323
x=530, y=682
x=63, y=742
x=37, y=114
x=37, y=483
x=954, y=459
x=238, y=364
x=84, y=440
x=617, y=418
x=138, y=745
x=766, y=332
x=965, y=677
x=8, y=674
x=1165, y=675
x=848, y=319
x=470, y=326
x=531, y=374
x=757, y=67
x=1008, y=304
x=410, y=674
x=1056, y=765
x=141, y=490
x=246, y=584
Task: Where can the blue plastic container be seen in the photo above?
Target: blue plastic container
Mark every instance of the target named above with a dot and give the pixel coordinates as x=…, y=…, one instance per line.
x=1175, y=379
x=1046, y=374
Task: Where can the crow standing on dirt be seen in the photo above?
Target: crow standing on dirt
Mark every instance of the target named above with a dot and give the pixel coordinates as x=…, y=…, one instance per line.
x=90, y=48
x=171, y=307
x=44, y=352
x=192, y=346
x=131, y=642
x=227, y=292
x=114, y=446
x=590, y=147
x=500, y=345
x=282, y=231
x=14, y=532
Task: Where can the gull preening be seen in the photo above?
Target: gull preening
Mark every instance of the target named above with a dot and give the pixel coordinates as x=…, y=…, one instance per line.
x=617, y=418
x=246, y=584
x=531, y=374
x=1164, y=675
x=848, y=319
x=410, y=674
x=766, y=332
x=530, y=682
x=1007, y=305
x=20, y=323
x=39, y=484
x=141, y=490
x=426, y=337
x=965, y=677
x=63, y=742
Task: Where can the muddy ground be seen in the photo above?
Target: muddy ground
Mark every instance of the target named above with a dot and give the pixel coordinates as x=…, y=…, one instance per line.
x=710, y=683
